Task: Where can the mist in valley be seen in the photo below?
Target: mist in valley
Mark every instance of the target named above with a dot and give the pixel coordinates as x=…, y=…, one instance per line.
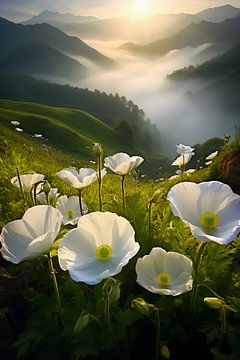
x=166, y=103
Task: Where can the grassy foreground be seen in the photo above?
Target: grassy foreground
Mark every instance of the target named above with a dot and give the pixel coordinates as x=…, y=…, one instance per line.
x=28, y=319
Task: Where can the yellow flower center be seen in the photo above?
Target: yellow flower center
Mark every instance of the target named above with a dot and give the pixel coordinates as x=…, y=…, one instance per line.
x=209, y=219
x=70, y=213
x=104, y=252
x=163, y=279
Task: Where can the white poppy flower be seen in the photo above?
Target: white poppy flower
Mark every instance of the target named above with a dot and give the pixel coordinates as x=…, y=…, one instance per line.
x=27, y=181
x=184, y=149
x=164, y=273
x=122, y=163
x=190, y=171
x=53, y=194
x=15, y=123
x=37, y=135
x=31, y=236
x=212, y=155
x=69, y=208
x=182, y=160
x=18, y=129
x=98, y=248
x=81, y=179
x=211, y=210
x=207, y=163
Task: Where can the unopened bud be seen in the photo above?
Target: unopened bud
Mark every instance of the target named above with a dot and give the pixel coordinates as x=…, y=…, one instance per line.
x=164, y=351
x=157, y=196
x=111, y=289
x=213, y=302
x=97, y=149
x=142, y=306
x=46, y=187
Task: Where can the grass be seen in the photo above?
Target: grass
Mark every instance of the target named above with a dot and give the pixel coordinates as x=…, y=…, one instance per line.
x=27, y=306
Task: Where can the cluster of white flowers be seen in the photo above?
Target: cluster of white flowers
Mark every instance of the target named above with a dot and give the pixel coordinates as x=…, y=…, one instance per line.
x=102, y=243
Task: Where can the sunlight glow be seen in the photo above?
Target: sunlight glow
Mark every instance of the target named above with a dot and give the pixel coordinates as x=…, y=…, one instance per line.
x=142, y=6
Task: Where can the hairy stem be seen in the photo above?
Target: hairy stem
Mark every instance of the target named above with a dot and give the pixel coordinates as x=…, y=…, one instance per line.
x=196, y=275
x=52, y=271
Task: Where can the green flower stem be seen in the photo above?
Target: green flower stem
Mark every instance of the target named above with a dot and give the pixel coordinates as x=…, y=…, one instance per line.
x=80, y=201
x=123, y=195
x=195, y=282
x=223, y=320
x=158, y=341
x=108, y=319
x=21, y=187
x=100, y=181
x=150, y=223
x=56, y=289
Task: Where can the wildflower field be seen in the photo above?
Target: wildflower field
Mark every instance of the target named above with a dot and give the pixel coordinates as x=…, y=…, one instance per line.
x=97, y=263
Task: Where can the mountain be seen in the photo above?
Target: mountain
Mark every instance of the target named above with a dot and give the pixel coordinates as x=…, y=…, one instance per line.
x=218, y=14
x=13, y=35
x=120, y=28
x=215, y=68
x=41, y=60
x=56, y=18
x=225, y=33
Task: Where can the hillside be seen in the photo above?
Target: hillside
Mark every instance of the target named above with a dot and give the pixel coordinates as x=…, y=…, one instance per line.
x=73, y=132
x=39, y=59
x=217, y=67
x=113, y=110
x=226, y=32
x=13, y=35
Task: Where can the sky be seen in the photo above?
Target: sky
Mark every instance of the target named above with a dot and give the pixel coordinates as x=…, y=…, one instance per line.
x=19, y=10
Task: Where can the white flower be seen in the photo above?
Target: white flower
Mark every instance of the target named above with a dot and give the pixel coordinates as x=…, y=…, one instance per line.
x=27, y=181
x=182, y=160
x=212, y=155
x=37, y=135
x=78, y=180
x=190, y=171
x=207, y=163
x=211, y=210
x=184, y=149
x=52, y=195
x=122, y=163
x=69, y=208
x=15, y=123
x=18, y=129
x=164, y=273
x=98, y=248
x=31, y=236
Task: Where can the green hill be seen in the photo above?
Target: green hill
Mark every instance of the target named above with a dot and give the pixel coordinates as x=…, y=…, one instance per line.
x=73, y=131
x=113, y=110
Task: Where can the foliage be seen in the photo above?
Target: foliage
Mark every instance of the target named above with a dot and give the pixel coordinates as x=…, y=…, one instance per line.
x=100, y=321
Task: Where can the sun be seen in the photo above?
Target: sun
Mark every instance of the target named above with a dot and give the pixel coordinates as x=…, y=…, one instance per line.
x=142, y=6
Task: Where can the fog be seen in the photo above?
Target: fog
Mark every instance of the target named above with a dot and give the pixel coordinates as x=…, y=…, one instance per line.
x=165, y=102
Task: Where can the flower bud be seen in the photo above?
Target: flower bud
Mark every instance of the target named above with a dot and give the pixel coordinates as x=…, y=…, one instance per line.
x=97, y=149
x=111, y=289
x=213, y=302
x=46, y=187
x=157, y=196
x=142, y=306
x=164, y=351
